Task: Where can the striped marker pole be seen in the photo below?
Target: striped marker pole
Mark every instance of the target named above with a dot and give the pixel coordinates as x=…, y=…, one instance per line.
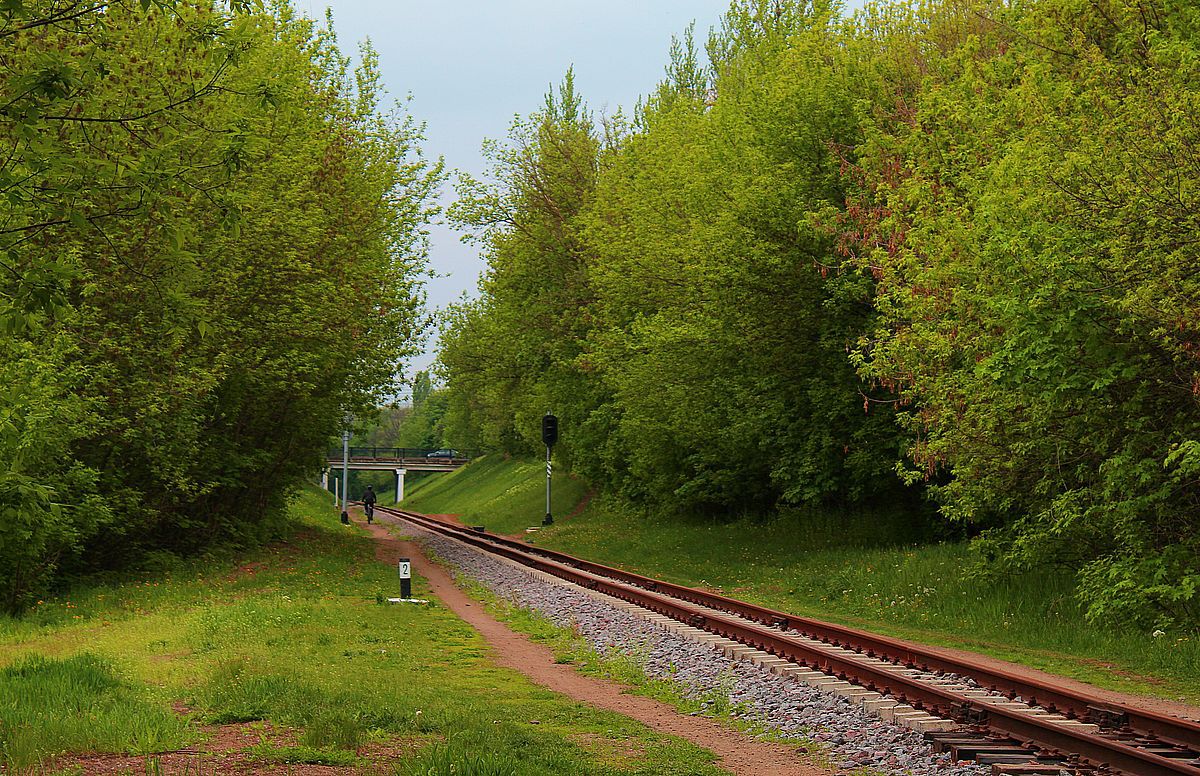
x=548, y=519
x=549, y=437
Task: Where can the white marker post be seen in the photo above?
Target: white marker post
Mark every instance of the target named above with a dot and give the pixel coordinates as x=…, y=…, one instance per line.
x=405, y=569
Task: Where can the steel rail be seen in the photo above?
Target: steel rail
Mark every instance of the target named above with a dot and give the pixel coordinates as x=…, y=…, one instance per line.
x=768, y=636
x=1069, y=702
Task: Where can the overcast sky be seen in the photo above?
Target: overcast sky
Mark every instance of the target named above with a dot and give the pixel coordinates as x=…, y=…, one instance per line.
x=472, y=65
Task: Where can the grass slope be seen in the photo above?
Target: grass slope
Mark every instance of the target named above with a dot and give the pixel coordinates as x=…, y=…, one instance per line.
x=848, y=568
x=293, y=644
x=504, y=494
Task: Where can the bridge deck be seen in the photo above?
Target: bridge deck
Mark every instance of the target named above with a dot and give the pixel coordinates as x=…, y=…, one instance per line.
x=416, y=459
x=361, y=463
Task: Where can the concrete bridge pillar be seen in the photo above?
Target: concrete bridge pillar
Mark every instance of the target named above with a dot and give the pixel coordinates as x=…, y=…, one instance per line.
x=400, y=484
x=325, y=479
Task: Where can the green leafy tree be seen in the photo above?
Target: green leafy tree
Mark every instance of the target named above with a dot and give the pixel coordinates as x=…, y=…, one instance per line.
x=684, y=313
x=1028, y=216
x=728, y=313
x=973, y=217
x=513, y=355
x=214, y=248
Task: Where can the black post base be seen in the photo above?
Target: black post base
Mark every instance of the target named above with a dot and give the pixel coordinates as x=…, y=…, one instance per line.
x=345, y=518
x=547, y=520
x=406, y=588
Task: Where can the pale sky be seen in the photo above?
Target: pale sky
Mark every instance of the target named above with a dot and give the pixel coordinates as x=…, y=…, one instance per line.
x=472, y=65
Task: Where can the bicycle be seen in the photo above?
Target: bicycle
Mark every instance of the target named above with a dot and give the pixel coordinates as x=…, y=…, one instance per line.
x=369, y=508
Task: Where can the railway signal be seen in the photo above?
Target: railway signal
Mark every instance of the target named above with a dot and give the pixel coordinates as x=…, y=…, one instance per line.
x=549, y=436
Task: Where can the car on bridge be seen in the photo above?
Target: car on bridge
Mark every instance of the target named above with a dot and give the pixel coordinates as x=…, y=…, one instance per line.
x=443, y=454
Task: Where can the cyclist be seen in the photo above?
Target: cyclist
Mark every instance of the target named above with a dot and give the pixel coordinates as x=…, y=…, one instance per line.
x=368, y=500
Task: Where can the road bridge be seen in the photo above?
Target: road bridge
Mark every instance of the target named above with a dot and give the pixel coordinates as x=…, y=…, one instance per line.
x=399, y=460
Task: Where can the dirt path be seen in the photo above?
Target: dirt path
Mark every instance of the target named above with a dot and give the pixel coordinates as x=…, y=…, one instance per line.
x=740, y=754
x=227, y=752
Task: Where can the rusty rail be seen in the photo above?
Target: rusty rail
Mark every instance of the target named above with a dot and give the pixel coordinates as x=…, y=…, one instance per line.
x=767, y=633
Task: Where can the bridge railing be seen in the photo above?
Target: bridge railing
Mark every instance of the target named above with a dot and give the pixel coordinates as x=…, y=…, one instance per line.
x=401, y=453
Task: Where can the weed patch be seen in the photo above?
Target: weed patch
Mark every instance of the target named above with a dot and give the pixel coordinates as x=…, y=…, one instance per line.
x=78, y=703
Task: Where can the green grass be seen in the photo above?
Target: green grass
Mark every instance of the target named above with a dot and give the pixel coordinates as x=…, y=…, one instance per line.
x=416, y=482
x=292, y=645
x=851, y=568
x=797, y=564
x=78, y=704
x=504, y=494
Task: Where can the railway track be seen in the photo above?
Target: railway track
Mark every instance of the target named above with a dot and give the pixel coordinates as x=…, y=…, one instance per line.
x=1000, y=717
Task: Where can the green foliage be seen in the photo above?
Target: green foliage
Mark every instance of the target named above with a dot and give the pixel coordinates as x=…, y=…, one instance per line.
x=666, y=292
x=951, y=241
x=513, y=354
x=212, y=248
x=424, y=426
x=1037, y=306
x=724, y=315
x=77, y=704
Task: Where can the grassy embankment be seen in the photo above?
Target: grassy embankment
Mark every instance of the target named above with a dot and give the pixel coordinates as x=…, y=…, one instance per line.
x=505, y=495
x=845, y=568
x=291, y=649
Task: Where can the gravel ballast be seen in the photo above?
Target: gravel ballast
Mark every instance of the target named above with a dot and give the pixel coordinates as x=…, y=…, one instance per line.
x=849, y=736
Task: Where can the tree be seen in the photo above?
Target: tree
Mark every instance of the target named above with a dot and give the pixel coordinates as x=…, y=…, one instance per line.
x=512, y=356
x=214, y=250
x=727, y=311
x=1036, y=313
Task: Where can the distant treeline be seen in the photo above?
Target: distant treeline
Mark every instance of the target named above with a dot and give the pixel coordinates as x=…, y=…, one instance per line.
x=944, y=248
x=211, y=249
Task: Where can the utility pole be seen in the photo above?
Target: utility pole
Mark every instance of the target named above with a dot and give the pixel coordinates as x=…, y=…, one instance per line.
x=345, y=470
